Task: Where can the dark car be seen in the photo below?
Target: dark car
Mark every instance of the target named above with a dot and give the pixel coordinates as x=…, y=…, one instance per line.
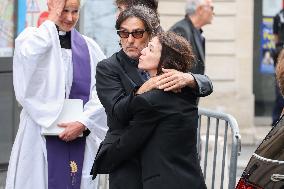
x=265, y=169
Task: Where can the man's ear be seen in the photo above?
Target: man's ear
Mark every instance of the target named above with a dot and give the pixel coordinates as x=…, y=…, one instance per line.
x=199, y=10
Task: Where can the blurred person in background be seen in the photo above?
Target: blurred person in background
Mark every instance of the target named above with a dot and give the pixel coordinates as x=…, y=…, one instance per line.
x=198, y=14
x=52, y=63
x=278, y=31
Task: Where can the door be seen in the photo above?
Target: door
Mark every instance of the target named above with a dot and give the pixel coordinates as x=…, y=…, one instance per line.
x=8, y=110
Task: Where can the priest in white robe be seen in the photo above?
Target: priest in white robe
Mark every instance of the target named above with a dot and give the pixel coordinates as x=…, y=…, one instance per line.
x=53, y=63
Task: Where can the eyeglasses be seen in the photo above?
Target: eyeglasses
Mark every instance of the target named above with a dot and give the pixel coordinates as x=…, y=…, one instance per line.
x=136, y=34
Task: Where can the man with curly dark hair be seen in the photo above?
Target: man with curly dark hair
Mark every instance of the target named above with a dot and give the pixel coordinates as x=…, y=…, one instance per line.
x=124, y=4
x=164, y=124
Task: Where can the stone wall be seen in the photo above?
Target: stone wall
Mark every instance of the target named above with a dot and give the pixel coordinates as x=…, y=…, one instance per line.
x=229, y=56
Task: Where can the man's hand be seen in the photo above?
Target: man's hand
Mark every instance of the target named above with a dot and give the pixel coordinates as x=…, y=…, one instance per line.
x=173, y=80
x=72, y=130
x=148, y=85
x=55, y=8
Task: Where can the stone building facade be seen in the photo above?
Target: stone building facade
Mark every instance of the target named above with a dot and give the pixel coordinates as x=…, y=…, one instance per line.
x=229, y=56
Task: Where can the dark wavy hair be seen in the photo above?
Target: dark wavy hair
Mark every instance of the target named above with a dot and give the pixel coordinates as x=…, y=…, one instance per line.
x=149, y=17
x=176, y=53
x=152, y=4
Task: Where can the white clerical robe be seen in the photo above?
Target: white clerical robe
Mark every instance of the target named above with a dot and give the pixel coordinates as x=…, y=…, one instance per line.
x=39, y=76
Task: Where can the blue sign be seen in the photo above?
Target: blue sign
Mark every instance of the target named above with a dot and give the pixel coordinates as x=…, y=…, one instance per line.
x=267, y=46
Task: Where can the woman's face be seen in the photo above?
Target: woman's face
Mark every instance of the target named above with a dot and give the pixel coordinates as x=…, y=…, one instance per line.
x=150, y=57
x=69, y=15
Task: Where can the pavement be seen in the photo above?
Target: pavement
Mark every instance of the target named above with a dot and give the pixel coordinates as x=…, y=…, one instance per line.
x=247, y=150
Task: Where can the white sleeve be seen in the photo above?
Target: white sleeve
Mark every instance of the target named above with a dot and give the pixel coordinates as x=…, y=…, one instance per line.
x=37, y=71
x=29, y=55
x=36, y=41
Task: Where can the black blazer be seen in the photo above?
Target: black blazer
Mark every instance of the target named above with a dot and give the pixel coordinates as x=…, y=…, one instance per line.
x=116, y=79
x=163, y=133
x=186, y=29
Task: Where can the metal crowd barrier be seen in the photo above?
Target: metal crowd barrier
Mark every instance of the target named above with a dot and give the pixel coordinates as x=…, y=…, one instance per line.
x=213, y=144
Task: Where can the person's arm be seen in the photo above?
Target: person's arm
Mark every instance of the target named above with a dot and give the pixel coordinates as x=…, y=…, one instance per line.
x=173, y=80
x=204, y=85
x=93, y=118
x=111, y=91
x=149, y=85
x=38, y=40
x=34, y=57
x=121, y=148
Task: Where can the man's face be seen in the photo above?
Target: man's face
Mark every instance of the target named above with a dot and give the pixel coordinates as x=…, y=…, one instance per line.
x=69, y=15
x=133, y=44
x=207, y=12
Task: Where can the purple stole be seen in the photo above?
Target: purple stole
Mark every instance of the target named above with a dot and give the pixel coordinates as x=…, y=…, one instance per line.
x=65, y=159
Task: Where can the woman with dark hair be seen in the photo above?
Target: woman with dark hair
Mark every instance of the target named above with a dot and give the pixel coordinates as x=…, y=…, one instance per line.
x=174, y=52
x=125, y=4
x=163, y=130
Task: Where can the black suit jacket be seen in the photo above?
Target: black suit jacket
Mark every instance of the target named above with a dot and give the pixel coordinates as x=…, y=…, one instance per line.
x=116, y=79
x=186, y=29
x=163, y=133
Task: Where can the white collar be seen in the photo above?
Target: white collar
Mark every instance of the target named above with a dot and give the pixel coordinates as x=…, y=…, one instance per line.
x=61, y=32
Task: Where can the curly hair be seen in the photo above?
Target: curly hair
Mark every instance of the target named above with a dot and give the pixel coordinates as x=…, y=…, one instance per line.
x=280, y=71
x=152, y=4
x=176, y=53
x=146, y=15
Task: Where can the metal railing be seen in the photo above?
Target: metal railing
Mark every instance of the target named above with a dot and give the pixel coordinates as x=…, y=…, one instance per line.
x=214, y=139
x=204, y=144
